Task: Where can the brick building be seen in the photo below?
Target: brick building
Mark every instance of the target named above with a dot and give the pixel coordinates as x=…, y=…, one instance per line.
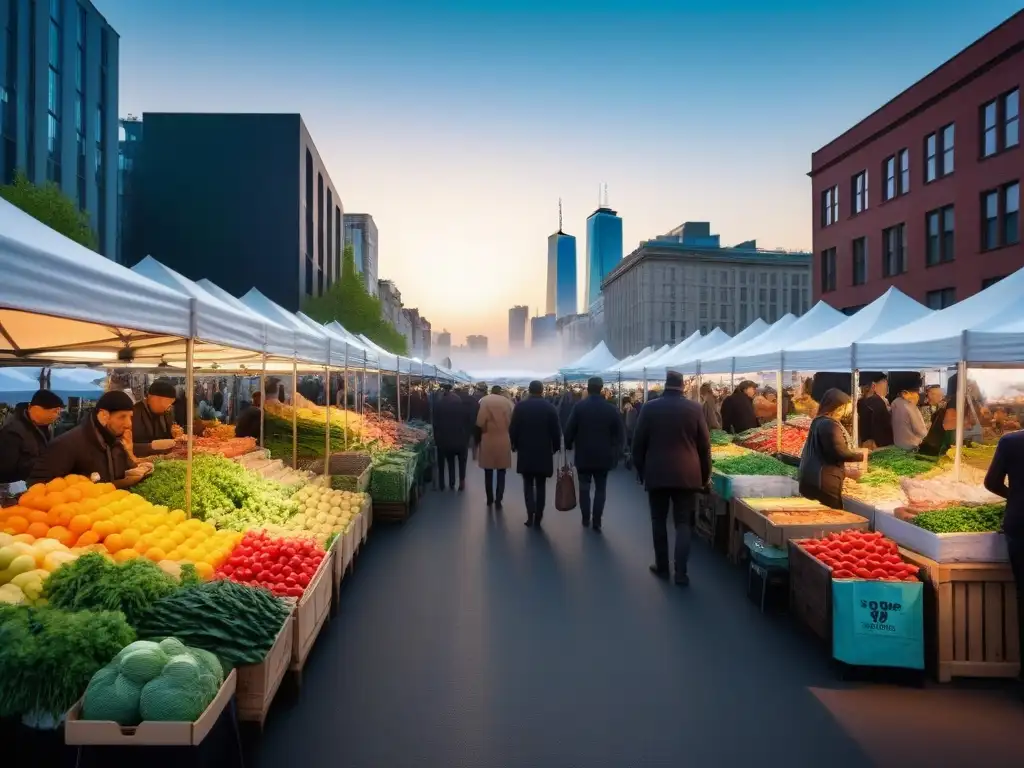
x=924, y=194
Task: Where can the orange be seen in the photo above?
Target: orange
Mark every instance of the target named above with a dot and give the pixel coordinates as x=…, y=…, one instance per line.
x=56, y=485
x=104, y=528
x=205, y=571
x=37, y=516
x=15, y=524
x=87, y=538
x=80, y=524
x=38, y=501
x=61, y=534
x=77, y=480
x=39, y=530
x=156, y=554
x=24, y=538
x=57, y=498
x=130, y=536
x=73, y=494
x=115, y=542
x=124, y=555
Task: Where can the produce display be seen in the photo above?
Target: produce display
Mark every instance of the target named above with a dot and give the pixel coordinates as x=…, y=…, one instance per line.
x=228, y=447
x=284, y=566
x=729, y=449
x=822, y=516
x=752, y=464
x=872, y=494
x=719, y=437
x=765, y=439
x=962, y=519
x=975, y=454
x=944, y=491
x=861, y=555
x=25, y=566
x=165, y=681
x=899, y=462
x=322, y=512
x=48, y=656
x=237, y=622
x=788, y=504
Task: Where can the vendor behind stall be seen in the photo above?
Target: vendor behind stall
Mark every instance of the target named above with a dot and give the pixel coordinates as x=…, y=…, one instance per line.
x=942, y=432
x=27, y=434
x=152, y=420
x=738, y=409
x=94, y=447
x=875, y=417
x=908, y=427
x=827, y=451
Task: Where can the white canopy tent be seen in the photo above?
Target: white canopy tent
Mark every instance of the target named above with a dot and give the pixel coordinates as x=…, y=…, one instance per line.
x=280, y=338
x=351, y=351
x=597, y=360
x=692, y=361
x=710, y=344
x=765, y=352
x=625, y=362
x=639, y=369
x=638, y=363
x=834, y=349
x=311, y=345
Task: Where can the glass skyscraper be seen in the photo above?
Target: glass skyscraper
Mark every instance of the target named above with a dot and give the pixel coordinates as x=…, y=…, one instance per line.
x=361, y=234
x=561, y=288
x=604, y=249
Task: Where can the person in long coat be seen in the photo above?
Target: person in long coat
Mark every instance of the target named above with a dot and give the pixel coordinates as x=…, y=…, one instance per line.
x=451, y=434
x=493, y=418
x=738, y=409
x=595, y=431
x=536, y=437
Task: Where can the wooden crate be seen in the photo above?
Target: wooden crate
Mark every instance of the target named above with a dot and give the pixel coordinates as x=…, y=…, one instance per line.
x=310, y=615
x=970, y=618
x=337, y=565
x=810, y=591
x=393, y=511
x=258, y=683
x=349, y=550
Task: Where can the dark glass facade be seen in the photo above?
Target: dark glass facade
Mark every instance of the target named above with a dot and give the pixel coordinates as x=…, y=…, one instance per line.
x=604, y=250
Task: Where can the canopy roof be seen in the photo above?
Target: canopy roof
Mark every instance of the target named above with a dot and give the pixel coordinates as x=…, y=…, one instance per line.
x=344, y=346
x=60, y=301
x=625, y=362
x=311, y=344
x=724, y=363
x=763, y=355
x=752, y=331
x=597, y=360
x=655, y=361
x=710, y=344
x=833, y=349
x=641, y=360
x=280, y=338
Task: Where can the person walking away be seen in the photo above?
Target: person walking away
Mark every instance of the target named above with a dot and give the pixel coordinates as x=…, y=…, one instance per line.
x=1005, y=478
x=479, y=393
x=738, y=409
x=874, y=415
x=494, y=415
x=829, y=448
x=565, y=406
x=709, y=405
x=908, y=427
x=672, y=454
x=152, y=419
x=451, y=434
x=596, y=431
x=536, y=437
x=25, y=437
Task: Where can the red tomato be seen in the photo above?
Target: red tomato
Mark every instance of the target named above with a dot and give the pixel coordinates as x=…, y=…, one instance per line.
x=289, y=581
x=862, y=573
x=228, y=569
x=275, y=568
x=294, y=591
x=303, y=580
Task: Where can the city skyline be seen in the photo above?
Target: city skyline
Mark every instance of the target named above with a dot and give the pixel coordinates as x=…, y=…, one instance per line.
x=496, y=144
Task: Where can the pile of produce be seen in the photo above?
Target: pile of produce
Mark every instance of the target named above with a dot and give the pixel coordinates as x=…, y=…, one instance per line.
x=871, y=494
x=284, y=566
x=944, y=491
x=963, y=519
x=750, y=464
x=765, y=439
x=899, y=462
x=976, y=454
x=235, y=621
x=220, y=431
x=229, y=448
x=322, y=512
x=223, y=493
x=94, y=583
x=25, y=566
x=718, y=437
x=47, y=657
x=861, y=555
x=311, y=437
x=721, y=451
x=164, y=681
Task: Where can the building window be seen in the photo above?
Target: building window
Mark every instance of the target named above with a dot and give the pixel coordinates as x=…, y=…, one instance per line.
x=988, y=282
x=830, y=206
x=828, y=271
x=53, y=95
x=894, y=245
x=939, y=236
x=309, y=223
x=897, y=175
x=338, y=242
x=330, y=242
x=889, y=191
x=860, y=261
x=940, y=299
x=938, y=153
x=904, y=157
x=1000, y=213
x=1000, y=123
x=859, y=192
x=320, y=266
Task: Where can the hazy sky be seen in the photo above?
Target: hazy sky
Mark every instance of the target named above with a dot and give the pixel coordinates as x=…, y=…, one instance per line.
x=458, y=125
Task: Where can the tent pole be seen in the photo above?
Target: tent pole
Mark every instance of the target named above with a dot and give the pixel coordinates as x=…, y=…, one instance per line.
x=855, y=391
x=190, y=408
x=380, y=389
x=263, y=396
x=778, y=410
x=327, y=431
x=398, y=388
x=344, y=395
x=295, y=414
x=961, y=415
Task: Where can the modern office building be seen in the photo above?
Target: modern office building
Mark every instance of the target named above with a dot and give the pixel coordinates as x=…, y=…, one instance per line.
x=442, y=343
x=361, y=234
x=686, y=281
x=517, y=317
x=241, y=199
x=543, y=329
x=604, y=249
x=129, y=148
x=561, y=287
x=477, y=343
x=58, y=104
x=924, y=194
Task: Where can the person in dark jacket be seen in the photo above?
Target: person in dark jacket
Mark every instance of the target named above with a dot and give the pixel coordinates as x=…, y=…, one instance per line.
x=153, y=418
x=27, y=434
x=827, y=452
x=479, y=393
x=595, y=429
x=1008, y=467
x=672, y=453
x=565, y=405
x=536, y=437
x=452, y=430
x=873, y=413
x=738, y=409
x=95, y=447
x=249, y=420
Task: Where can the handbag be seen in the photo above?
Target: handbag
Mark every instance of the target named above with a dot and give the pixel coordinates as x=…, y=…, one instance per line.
x=565, y=486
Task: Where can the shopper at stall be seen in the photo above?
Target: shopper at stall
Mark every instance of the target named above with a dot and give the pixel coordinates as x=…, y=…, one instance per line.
x=766, y=406
x=709, y=404
x=738, y=409
x=874, y=415
x=152, y=419
x=829, y=448
x=535, y=437
x=95, y=447
x=932, y=402
x=452, y=430
x=27, y=435
x=494, y=415
x=672, y=454
x=908, y=427
x=249, y=420
x=595, y=431
x=942, y=431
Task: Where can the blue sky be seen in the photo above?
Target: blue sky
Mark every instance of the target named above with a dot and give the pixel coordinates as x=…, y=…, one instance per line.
x=458, y=125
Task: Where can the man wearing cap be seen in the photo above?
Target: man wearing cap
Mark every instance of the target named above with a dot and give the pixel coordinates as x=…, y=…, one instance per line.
x=672, y=453
x=94, y=447
x=595, y=431
x=152, y=420
x=27, y=434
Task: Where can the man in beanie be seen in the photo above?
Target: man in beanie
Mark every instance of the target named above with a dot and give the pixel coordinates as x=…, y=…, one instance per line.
x=27, y=434
x=94, y=448
x=152, y=420
x=672, y=453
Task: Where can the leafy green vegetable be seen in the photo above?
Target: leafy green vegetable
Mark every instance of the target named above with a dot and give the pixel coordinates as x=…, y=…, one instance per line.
x=390, y=481
x=753, y=464
x=981, y=519
x=879, y=478
x=47, y=655
x=899, y=462
x=718, y=437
